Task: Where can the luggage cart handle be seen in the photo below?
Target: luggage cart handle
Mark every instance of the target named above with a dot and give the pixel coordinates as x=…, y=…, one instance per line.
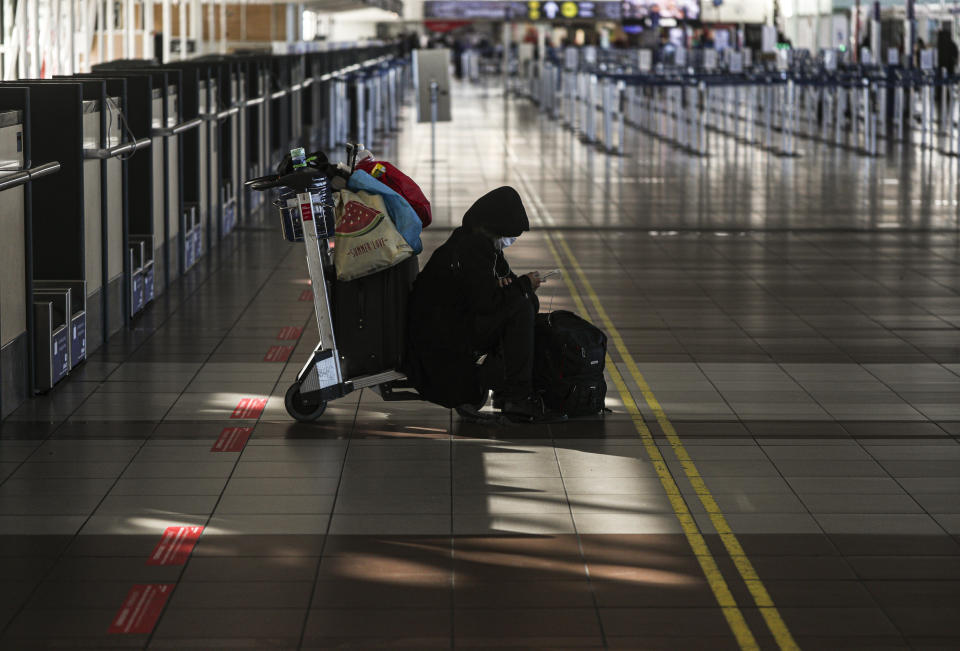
x=178, y=129
x=23, y=176
x=262, y=183
x=117, y=150
x=300, y=181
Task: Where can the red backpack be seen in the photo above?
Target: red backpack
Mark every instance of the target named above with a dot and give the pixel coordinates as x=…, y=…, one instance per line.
x=402, y=184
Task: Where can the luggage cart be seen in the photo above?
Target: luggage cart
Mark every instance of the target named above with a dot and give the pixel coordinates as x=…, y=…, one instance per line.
x=305, y=205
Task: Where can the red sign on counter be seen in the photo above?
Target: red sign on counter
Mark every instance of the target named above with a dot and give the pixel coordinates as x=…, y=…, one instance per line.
x=289, y=333
x=249, y=408
x=175, y=546
x=141, y=608
x=232, y=439
x=278, y=354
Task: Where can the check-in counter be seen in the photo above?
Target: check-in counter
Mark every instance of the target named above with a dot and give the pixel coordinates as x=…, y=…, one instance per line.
x=131, y=185
x=197, y=159
x=225, y=117
x=103, y=152
x=67, y=248
x=280, y=128
x=215, y=171
x=255, y=109
x=16, y=258
x=167, y=131
x=14, y=341
x=84, y=250
x=144, y=181
x=240, y=154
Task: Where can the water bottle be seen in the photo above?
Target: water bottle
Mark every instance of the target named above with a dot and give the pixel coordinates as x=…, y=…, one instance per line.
x=299, y=158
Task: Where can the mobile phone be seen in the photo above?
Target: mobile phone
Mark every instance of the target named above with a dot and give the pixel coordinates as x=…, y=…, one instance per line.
x=552, y=272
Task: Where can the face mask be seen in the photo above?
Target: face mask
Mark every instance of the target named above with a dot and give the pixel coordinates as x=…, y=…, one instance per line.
x=503, y=242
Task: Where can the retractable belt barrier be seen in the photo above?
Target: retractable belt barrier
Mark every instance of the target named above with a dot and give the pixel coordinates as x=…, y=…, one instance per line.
x=862, y=109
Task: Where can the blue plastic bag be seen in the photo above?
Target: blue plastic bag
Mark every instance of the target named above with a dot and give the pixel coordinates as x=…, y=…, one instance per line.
x=404, y=217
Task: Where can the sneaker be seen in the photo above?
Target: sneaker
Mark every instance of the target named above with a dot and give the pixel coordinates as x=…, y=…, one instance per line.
x=471, y=414
x=529, y=410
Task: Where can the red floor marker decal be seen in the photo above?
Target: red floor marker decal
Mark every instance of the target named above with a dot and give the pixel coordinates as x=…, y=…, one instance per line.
x=289, y=333
x=232, y=439
x=141, y=608
x=278, y=354
x=306, y=295
x=175, y=546
x=249, y=408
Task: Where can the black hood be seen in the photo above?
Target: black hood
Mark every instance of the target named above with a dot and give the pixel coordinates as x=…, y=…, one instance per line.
x=500, y=212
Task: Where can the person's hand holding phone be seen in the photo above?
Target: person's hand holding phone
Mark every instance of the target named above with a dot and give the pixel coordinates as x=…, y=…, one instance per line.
x=552, y=272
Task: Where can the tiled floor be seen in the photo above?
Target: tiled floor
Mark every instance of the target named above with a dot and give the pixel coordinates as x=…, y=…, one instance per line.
x=794, y=366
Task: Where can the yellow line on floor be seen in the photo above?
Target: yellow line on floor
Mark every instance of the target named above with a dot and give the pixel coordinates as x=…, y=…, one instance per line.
x=708, y=563
x=718, y=584
x=757, y=590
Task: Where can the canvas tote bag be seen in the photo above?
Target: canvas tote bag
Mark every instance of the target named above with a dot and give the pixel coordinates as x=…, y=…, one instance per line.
x=366, y=239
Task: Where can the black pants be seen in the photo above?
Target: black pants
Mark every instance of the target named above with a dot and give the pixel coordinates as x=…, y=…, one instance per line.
x=507, y=339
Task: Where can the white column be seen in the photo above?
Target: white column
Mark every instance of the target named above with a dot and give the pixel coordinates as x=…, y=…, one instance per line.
x=147, y=45
x=182, y=9
x=72, y=35
x=165, y=28
x=292, y=26
x=33, y=9
x=108, y=22
x=55, y=28
x=196, y=25
x=85, y=40
x=223, y=26
x=211, y=28
x=21, y=24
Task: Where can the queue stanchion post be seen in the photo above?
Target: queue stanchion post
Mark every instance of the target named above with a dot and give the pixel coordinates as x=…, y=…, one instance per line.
x=434, y=101
x=621, y=127
x=855, y=115
x=589, y=107
x=768, y=115
x=607, y=100
x=703, y=117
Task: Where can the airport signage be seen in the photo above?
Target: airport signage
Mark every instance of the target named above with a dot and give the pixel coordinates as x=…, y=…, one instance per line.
x=534, y=10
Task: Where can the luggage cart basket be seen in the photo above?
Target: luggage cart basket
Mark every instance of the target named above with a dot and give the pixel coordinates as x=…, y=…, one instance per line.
x=306, y=215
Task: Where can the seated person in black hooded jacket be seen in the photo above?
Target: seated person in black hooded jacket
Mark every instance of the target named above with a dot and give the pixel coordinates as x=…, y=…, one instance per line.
x=467, y=303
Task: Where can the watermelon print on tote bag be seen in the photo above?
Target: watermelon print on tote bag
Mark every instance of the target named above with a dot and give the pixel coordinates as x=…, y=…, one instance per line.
x=366, y=239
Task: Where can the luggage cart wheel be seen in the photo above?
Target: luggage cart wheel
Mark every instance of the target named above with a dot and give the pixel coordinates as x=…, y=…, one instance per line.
x=303, y=409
